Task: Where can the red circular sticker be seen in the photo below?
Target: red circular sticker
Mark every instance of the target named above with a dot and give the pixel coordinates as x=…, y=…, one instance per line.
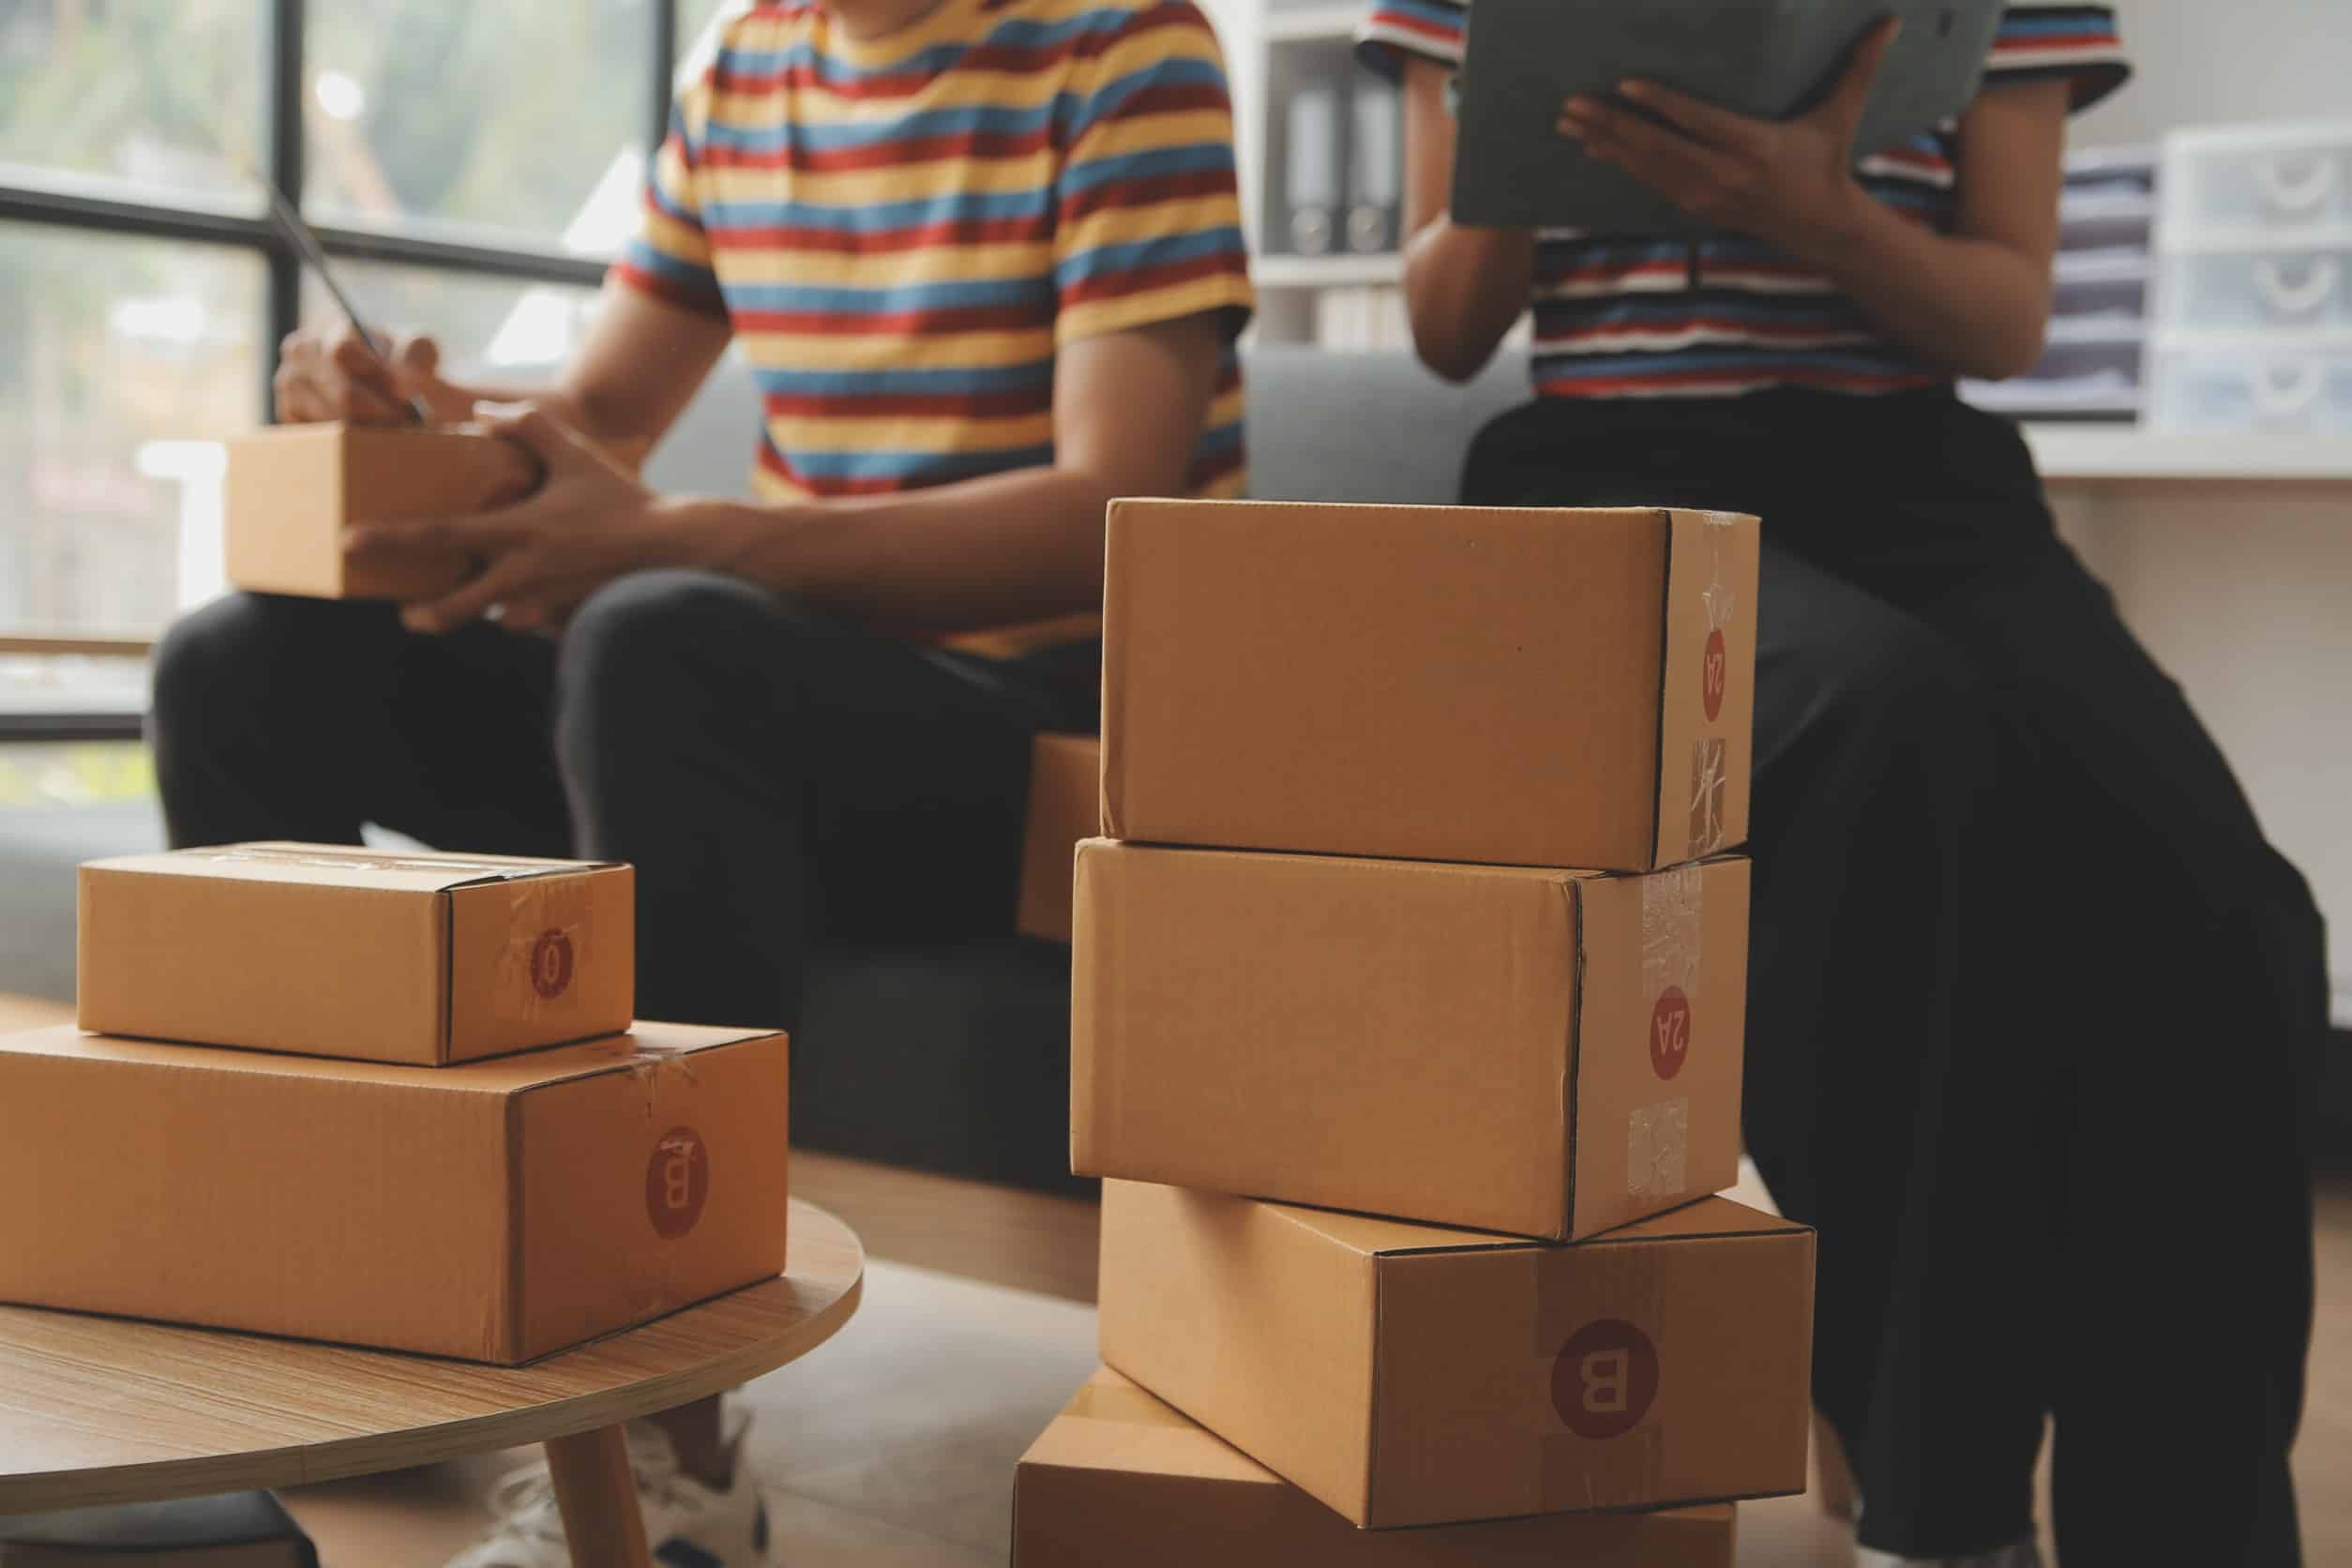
x=551, y=964
x=1669, y=1032
x=1605, y=1379
x=677, y=1181
x=1714, y=671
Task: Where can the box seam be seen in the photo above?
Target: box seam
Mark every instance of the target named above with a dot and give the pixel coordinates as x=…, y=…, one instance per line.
x=1573, y=1068
x=513, y=1327
x=1657, y=734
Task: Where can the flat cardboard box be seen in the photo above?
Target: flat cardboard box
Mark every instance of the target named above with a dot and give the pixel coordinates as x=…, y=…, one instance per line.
x=495, y=1212
x=293, y=490
x=382, y=956
x=1121, y=1478
x=1406, y=1375
x=1549, y=1053
x=1525, y=688
x=1065, y=791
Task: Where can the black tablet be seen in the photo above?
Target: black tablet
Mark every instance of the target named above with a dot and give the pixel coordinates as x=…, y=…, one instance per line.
x=1768, y=58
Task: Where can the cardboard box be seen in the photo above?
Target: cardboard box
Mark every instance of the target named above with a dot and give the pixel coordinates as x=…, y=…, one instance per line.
x=495, y=1212
x=1065, y=790
x=291, y=490
x=1549, y=1053
x=343, y=952
x=1523, y=688
x=1406, y=1375
x=1121, y=1478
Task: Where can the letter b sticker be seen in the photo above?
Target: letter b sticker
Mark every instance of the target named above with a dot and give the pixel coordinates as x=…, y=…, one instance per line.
x=1605, y=1379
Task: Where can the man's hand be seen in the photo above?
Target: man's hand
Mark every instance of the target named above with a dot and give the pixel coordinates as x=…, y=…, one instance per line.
x=335, y=375
x=589, y=522
x=1789, y=182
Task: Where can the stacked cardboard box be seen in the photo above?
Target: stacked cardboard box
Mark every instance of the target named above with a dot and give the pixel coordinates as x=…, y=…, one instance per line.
x=392, y=1100
x=1407, y=1008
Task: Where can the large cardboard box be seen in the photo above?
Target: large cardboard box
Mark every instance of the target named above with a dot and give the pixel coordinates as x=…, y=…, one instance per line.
x=1065, y=789
x=1519, y=687
x=1121, y=1478
x=291, y=490
x=343, y=952
x=1549, y=1053
x=1406, y=1375
x=497, y=1211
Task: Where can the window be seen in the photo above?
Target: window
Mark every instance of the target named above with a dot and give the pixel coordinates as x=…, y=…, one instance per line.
x=468, y=168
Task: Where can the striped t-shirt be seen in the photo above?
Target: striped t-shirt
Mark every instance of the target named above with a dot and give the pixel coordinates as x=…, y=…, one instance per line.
x=902, y=231
x=1623, y=316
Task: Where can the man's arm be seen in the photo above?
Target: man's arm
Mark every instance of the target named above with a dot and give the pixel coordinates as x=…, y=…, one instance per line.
x=642, y=362
x=1464, y=287
x=1128, y=408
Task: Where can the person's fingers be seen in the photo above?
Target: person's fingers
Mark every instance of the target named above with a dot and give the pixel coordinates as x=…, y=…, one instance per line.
x=419, y=355
x=1851, y=95
x=505, y=578
x=351, y=356
x=1718, y=128
x=484, y=534
x=1665, y=161
x=537, y=431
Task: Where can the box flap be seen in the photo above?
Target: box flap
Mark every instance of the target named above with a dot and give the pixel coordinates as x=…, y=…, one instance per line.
x=333, y=865
x=1113, y=1423
x=645, y=1046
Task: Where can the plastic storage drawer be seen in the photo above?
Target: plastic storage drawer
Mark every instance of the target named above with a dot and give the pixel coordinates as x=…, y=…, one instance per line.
x=2270, y=178
x=2274, y=288
x=2251, y=387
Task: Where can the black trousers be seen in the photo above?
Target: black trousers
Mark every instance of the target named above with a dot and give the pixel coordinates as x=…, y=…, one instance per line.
x=777, y=776
x=2031, y=997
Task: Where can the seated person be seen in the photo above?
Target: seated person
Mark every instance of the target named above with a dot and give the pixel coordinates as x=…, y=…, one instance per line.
x=2020, y=949
x=985, y=260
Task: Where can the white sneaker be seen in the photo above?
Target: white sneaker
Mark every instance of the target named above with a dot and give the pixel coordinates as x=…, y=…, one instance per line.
x=2023, y=1554
x=687, y=1523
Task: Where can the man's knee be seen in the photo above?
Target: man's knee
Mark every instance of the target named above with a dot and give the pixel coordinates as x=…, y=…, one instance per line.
x=243, y=652
x=656, y=647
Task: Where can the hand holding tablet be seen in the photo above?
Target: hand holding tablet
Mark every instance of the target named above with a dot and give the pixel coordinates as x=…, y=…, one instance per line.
x=1875, y=73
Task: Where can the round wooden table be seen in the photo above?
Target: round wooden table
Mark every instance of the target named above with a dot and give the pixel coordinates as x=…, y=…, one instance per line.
x=104, y=1410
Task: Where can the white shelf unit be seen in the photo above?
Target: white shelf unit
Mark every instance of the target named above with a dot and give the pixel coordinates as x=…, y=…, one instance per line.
x=1309, y=23
x=2126, y=455
x=1328, y=272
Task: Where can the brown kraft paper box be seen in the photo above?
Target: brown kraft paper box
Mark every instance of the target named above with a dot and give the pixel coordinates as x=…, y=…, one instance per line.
x=293, y=490
x=495, y=1212
x=1406, y=1375
x=1121, y=1478
x=386, y=957
x=1065, y=791
x=1530, y=688
x=1548, y=1053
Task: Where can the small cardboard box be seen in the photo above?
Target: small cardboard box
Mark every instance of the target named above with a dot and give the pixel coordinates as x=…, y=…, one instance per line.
x=1406, y=1375
x=1525, y=688
x=343, y=952
x=1121, y=1478
x=496, y=1212
x=1065, y=791
x=293, y=490
x=1549, y=1053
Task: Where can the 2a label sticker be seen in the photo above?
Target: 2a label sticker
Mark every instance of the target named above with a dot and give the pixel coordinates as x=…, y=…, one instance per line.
x=677, y=1181
x=1604, y=1378
x=551, y=964
x=1669, y=1032
x=1715, y=675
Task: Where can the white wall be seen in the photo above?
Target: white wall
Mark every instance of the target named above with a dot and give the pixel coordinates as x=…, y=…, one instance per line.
x=2205, y=62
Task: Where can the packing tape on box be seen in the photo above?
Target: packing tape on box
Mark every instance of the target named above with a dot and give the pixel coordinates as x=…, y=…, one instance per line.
x=367, y=860
x=551, y=937
x=1658, y=1135
x=1673, y=906
x=1708, y=784
x=1597, y=1373
x=1657, y=1149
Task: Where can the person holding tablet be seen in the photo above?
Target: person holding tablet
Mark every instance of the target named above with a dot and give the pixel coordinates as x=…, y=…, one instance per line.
x=2030, y=995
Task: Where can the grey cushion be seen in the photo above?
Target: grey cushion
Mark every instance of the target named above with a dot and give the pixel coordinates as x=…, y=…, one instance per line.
x=1365, y=426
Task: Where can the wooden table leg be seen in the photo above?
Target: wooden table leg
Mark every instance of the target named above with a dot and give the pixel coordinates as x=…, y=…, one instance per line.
x=597, y=1495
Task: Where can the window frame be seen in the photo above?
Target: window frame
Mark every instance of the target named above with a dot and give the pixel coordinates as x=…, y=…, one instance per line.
x=77, y=203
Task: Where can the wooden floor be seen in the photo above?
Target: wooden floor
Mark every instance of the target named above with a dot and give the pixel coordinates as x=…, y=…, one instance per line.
x=894, y=1446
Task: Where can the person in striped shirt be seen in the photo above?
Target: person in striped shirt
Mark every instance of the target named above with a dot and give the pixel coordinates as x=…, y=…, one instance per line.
x=985, y=261
x=2019, y=941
